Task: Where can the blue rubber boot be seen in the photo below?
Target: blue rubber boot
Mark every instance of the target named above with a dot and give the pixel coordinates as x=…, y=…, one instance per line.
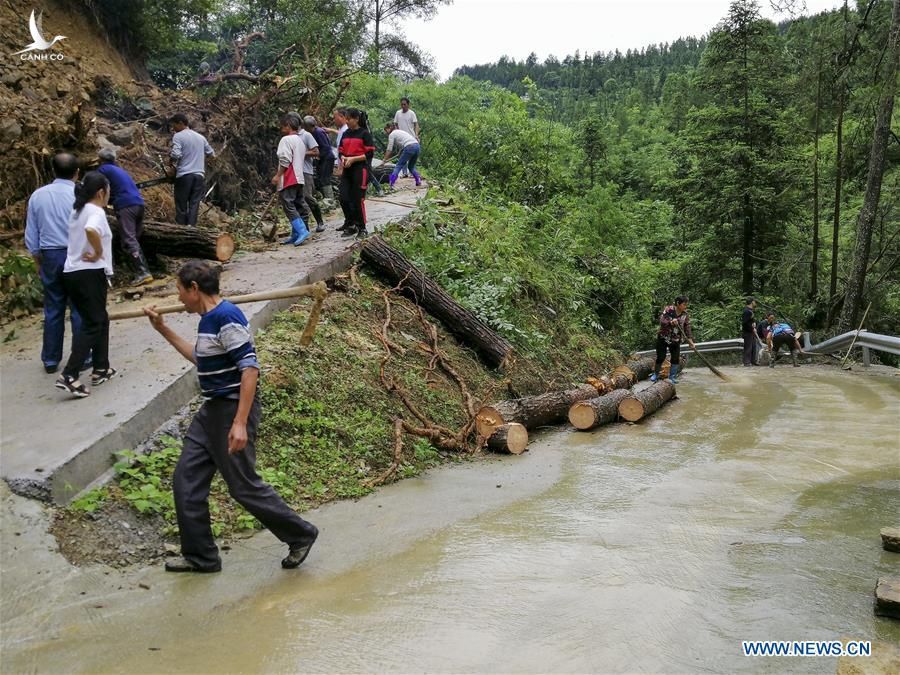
x=300, y=231
x=673, y=374
x=654, y=377
x=295, y=231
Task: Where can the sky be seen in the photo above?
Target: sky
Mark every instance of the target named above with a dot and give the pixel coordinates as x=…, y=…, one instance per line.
x=481, y=31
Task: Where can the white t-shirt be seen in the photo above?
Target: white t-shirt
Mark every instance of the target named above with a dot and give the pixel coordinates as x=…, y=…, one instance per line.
x=91, y=217
x=401, y=139
x=337, y=143
x=311, y=144
x=290, y=155
x=406, y=121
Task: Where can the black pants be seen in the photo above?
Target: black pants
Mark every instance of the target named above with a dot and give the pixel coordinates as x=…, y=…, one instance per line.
x=188, y=193
x=309, y=196
x=204, y=451
x=784, y=339
x=294, y=204
x=324, y=171
x=131, y=227
x=749, y=355
x=87, y=290
x=662, y=346
x=354, y=182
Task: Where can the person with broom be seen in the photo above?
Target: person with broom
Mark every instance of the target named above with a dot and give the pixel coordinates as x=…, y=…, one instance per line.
x=674, y=325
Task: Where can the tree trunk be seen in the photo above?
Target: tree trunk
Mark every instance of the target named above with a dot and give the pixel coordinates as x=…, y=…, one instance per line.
x=838, y=184
x=646, y=402
x=467, y=327
x=511, y=438
x=814, y=265
x=185, y=241
x=531, y=411
x=593, y=412
x=866, y=220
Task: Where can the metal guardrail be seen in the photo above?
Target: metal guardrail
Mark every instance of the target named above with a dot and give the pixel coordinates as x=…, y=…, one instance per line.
x=865, y=340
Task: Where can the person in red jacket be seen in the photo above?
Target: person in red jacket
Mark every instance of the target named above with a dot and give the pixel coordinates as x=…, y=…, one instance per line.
x=355, y=152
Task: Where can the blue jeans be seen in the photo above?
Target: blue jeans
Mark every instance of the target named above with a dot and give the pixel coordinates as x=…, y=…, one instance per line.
x=55, y=301
x=407, y=160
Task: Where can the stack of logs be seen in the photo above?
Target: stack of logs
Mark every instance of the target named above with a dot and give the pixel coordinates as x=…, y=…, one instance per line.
x=505, y=425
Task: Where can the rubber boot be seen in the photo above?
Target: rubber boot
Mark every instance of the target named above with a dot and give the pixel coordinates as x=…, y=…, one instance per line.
x=299, y=227
x=392, y=180
x=294, y=234
x=673, y=374
x=141, y=271
x=417, y=177
x=654, y=376
x=794, y=354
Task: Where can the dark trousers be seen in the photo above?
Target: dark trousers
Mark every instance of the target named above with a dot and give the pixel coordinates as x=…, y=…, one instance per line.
x=783, y=340
x=205, y=450
x=324, y=170
x=131, y=227
x=87, y=288
x=294, y=204
x=674, y=348
x=309, y=196
x=354, y=182
x=188, y=193
x=749, y=355
x=55, y=301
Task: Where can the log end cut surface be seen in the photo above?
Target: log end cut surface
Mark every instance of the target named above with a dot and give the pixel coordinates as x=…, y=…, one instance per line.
x=511, y=438
x=487, y=420
x=582, y=415
x=225, y=247
x=646, y=402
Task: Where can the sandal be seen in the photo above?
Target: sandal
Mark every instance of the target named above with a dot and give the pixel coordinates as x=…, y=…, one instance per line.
x=98, y=377
x=68, y=383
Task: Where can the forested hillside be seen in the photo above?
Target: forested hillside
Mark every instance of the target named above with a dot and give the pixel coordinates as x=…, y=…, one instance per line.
x=590, y=190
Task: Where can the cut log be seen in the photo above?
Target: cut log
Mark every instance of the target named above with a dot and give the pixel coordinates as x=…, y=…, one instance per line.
x=186, y=241
x=468, y=328
x=531, y=411
x=594, y=412
x=511, y=438
x=642, y=368
x=646, y=402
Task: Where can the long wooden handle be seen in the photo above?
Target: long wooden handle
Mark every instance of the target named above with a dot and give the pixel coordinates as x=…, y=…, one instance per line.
x=317, y=290
x=718, y=373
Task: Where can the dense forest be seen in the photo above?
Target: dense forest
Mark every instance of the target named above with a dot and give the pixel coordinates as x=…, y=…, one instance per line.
x=758, y=159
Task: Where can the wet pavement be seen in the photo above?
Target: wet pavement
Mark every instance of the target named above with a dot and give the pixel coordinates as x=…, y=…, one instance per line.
x=743, y=510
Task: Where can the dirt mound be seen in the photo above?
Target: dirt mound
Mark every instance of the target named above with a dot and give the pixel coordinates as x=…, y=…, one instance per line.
x=81, y=95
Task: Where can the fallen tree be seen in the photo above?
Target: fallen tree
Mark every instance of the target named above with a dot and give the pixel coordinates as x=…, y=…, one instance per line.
x=623, y=377
x=411, y=282
x=646, y=402
x=594, y=412
x=186, y=241
x=531, y=411
x=511, y=438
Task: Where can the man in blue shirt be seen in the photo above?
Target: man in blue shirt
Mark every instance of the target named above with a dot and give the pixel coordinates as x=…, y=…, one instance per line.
x=47, y=238
x=129, y=206
x=222, y=435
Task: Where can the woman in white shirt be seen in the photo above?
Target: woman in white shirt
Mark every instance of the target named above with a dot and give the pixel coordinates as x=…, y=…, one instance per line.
x=88, y=263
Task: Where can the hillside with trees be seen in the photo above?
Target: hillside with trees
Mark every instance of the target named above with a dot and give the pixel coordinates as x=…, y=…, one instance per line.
x=758, y=159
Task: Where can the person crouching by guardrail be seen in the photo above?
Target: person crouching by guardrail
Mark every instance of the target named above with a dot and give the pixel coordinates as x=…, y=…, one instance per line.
x=782, y=335
x=674, y=325
x=408, y=147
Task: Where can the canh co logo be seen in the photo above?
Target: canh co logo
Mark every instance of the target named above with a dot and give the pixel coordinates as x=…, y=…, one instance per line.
x=39, y=44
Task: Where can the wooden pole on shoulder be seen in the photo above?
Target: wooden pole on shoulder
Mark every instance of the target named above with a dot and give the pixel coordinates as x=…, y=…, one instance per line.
x=318, y=291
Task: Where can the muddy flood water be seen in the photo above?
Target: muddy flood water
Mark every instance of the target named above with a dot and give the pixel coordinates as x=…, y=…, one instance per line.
x=747, y=510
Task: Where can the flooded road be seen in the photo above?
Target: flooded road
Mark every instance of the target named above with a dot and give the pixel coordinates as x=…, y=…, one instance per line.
x=747, y=510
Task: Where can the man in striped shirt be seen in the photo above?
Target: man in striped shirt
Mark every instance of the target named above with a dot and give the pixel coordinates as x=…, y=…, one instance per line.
x=222, y=434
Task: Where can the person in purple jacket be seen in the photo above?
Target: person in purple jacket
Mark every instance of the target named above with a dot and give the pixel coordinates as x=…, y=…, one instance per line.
x=129, y=207
x=325, y=167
